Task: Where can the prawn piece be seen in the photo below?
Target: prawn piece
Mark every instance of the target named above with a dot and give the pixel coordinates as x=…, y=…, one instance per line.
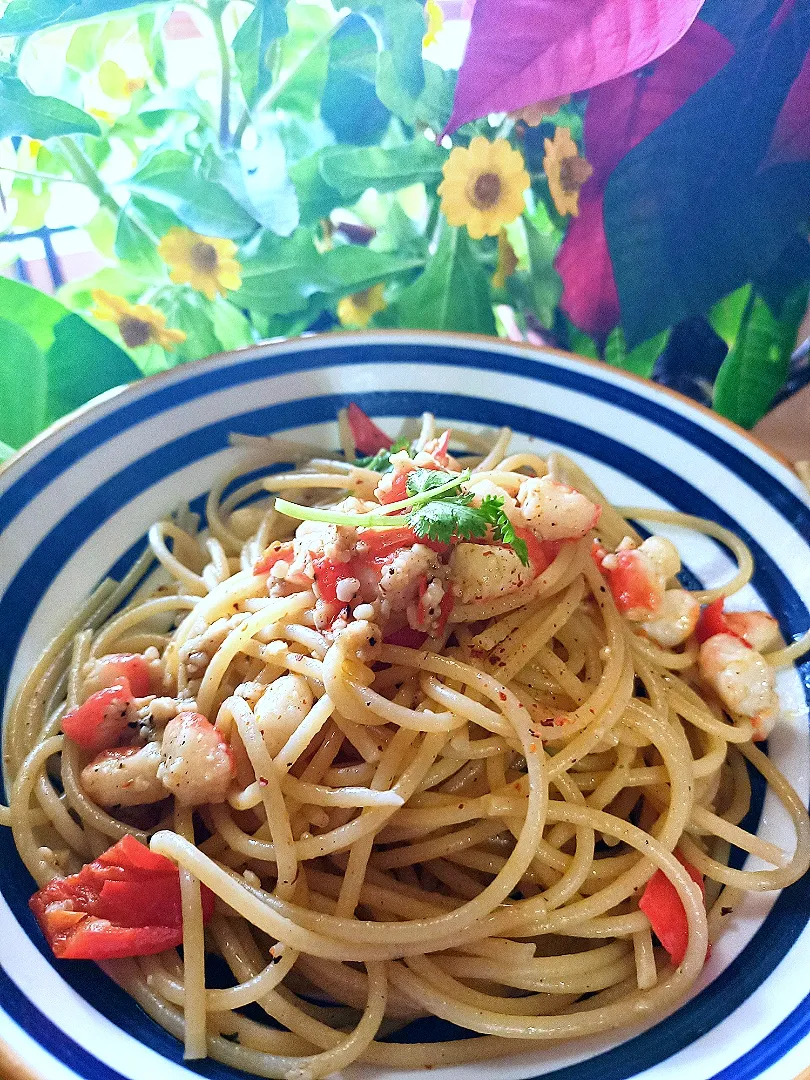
x=743, y=680
x=127, y=776
x=757, y=628
x=281, y=708
x=675, y=619
x=109, y=670
x=484, y=571
x=555, y=511
x=638, y=576
x=197, y=764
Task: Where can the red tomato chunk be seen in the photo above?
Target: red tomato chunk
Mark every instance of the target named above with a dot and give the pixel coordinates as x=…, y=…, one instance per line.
x=126, y=903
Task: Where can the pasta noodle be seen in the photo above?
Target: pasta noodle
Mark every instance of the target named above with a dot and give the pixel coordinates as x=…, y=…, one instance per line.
x=416, y=783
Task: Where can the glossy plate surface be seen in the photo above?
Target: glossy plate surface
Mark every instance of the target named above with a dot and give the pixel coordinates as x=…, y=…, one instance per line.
x=76, y=503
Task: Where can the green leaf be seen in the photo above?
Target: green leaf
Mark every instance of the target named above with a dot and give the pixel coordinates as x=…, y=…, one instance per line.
x=134, y=246
x=265, y=25
x=174, y=180
x=349, y=268
x=23, y=17
x=24, y=113
x=352, y=172
x=546, y=285
x=82, y=52
x=31, y=205
x=349, y=105
x=101, y=229
x=23, y=385
x=309, y=23
x=316, y=198
x=282, y=277
x=188, y=310
x=726, y=315
x=258, y=181
x=640, y=360
x=82, y=363
x=581, y=343
x=231, y=327
x=30, y=309
x=756, y=367
x=6, y=451
x=453, y=293
x=149, y=31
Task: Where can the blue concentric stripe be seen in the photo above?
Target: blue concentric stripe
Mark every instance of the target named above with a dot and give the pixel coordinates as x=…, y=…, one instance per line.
x=789, y=915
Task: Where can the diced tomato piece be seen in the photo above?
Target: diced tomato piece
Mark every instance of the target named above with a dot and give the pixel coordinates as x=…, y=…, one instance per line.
x=328, y=575
x=134, y=858
x=445, y=611
x=541, y=552
x=398, y=490
x=631, y=584
x=111, y=669
x=99, y=722
x=126, y=903
x=407, y=637
x=274, y=554
x=663, y=907
x=713, y=620
x=368, y=438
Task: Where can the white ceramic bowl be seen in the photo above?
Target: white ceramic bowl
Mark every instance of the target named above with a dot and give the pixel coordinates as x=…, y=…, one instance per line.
x=77, y=503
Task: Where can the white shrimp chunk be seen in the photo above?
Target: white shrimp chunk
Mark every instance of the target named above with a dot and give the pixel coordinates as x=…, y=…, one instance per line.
x=400, y=578
x=758, y=628
x=281, y=709
x=675, y=619
x=484, y=571
x=479, y=489
x=555, y=511
x=197, y=764
x=126, y=776
x=743, y=679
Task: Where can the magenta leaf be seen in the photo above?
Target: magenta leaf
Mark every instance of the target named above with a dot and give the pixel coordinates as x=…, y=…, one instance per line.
x=589, y=298
x=791, y=136
x=620, y=114
x=524, y=51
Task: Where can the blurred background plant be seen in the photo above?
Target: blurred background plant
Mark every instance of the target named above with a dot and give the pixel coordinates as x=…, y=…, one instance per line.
x=629, y=185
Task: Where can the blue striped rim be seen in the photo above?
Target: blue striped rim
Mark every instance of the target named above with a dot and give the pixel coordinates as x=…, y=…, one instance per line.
x=692, y=1020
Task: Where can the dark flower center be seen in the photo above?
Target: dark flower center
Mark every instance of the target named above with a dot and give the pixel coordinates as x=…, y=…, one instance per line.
x=487, y=191
x=135, y=332
x=574, y=171
x=203, y=257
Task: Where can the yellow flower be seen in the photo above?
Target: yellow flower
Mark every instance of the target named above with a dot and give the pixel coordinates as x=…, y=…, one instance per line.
x=533, y=114
x=358, y=310
x=104, y=115
x=507, y=261
x=435, y=21
x=206, y=263
x=138, y=324
x=566, y=171
x=483, y=186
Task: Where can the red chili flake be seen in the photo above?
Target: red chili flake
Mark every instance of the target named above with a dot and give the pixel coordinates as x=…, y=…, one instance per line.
x=263, y=781
x=502, y=695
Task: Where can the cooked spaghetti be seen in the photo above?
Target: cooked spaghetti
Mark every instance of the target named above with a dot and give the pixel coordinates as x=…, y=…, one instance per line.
x=428, y=733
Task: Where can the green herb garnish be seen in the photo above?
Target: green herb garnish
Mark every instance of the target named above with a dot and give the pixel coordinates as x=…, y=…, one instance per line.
x=381, y=461
x=436, y=509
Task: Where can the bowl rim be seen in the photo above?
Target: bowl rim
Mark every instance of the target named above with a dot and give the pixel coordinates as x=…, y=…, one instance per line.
x=12, y=1064
x=357, y=337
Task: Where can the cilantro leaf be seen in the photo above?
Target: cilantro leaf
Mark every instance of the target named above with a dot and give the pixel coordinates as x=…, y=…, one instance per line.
x=445, y=519
x=381, y=461
x=421, y=481
x=493, y=511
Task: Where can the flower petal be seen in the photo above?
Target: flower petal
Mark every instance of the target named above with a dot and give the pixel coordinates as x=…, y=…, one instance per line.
x=589, y=298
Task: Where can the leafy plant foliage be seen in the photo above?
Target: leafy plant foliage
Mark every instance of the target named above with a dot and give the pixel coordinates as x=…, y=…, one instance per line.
x=297, y=178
